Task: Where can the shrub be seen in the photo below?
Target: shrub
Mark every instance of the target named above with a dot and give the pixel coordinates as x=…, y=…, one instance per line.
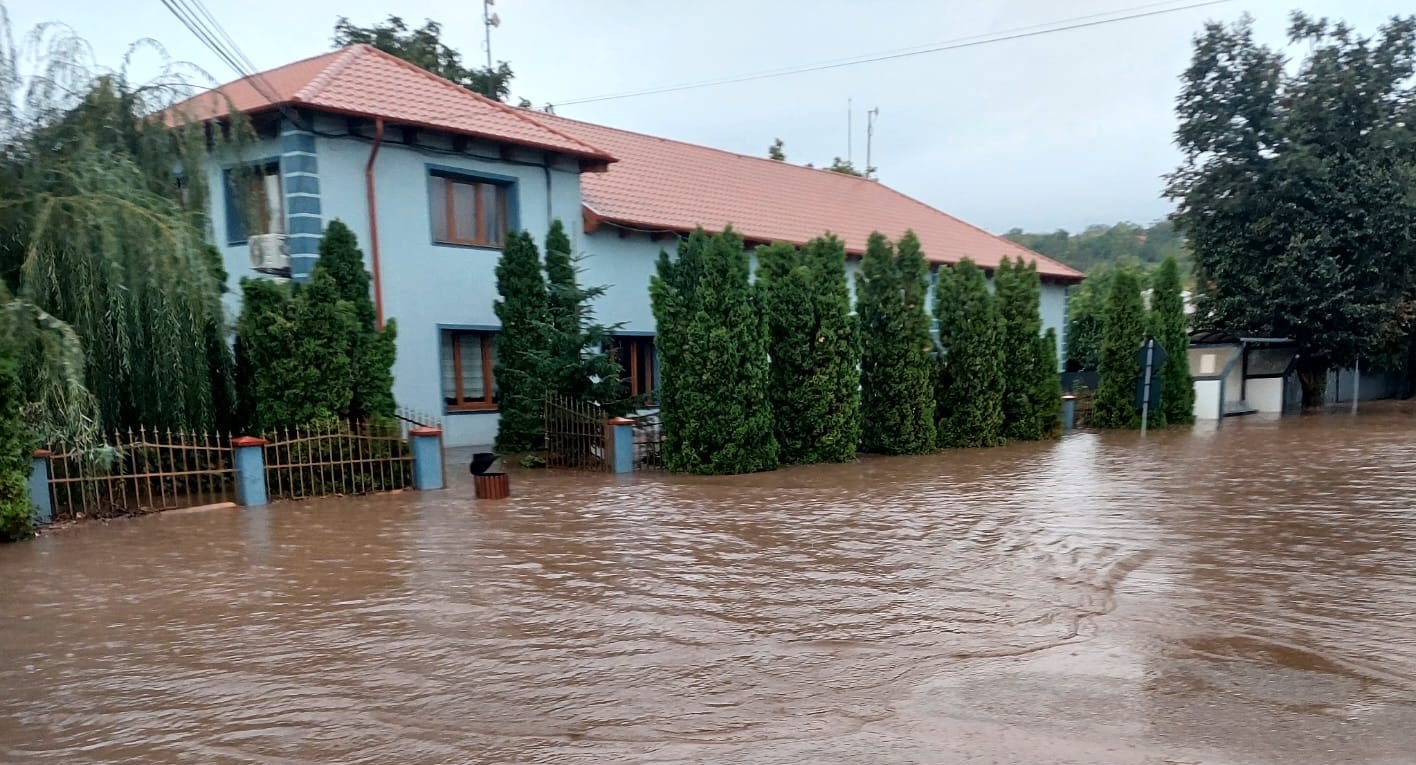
x=16, y=514
x=1124, y=329
x=1177, y=402
x=896, y=371
x=970, y=387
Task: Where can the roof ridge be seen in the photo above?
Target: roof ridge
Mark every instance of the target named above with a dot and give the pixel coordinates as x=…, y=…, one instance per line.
x=343, y=58
x=774, y=162
x=464, y=92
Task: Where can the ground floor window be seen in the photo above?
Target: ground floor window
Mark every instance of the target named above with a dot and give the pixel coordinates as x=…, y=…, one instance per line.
x=640, y=363
x=467, y=362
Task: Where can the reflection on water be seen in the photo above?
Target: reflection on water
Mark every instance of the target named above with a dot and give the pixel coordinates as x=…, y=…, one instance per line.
x=1240, y=594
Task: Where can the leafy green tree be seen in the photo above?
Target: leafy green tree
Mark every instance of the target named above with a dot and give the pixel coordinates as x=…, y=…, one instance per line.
x=581, y=367
x=717, y=416
x=423, y=47
x=523, y=345
x=1018, y=293
x=372, y=348
x=1296, y=187
x=776, y=150
x=1167, y=313
x=16, y=514
x=897, y=371
x=1096, y=246
x=1047, y=385
x=1124, y=331
x=971, y=385
x=815, y=350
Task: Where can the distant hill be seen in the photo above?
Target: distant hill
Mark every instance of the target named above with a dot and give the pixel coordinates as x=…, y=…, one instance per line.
x=1122, y=244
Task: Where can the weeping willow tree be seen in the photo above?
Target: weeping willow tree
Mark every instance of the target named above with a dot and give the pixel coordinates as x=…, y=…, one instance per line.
x=103, y=241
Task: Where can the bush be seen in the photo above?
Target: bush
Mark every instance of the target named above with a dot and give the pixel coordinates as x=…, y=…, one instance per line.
x=16, y=513
x=897, y=369
x=1124, y=329
x=970, y=386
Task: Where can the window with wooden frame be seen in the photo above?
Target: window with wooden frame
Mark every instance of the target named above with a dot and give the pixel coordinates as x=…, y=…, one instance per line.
x=467, y=211
x=255, y=202
x=637, y=358
x=467, y=364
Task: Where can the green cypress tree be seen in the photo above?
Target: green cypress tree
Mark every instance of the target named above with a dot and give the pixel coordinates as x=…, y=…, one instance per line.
x=784, y=290
x=16, y=514
x=317, y=371
x=263, y=334
x=1177, y=402
x=836, y=354
x=1018, y=297
x=1123, y=331
x=717, y=416
x=581, y=367
x=372, y=349
x=971, y=389
x=897, y=397
x=1047, y=386
x=522, y=345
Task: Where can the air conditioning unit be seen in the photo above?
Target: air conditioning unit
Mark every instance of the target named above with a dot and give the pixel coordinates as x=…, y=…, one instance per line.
x=269, y=254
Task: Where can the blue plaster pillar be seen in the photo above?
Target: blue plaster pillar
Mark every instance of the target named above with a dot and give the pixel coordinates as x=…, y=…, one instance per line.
x=248, y=463
x=300, y=175
x=619, y=444
x=1069, y=412
x=426, y=444
x=39, y=487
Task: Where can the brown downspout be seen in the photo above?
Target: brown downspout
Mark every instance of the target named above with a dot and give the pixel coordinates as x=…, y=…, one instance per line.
x=374, y=220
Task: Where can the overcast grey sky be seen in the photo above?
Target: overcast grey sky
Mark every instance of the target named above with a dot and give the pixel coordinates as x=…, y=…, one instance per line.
x=1062, y=130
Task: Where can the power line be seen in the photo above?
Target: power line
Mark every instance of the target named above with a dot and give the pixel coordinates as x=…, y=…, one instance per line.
x=1080, y=22
x=211, y=34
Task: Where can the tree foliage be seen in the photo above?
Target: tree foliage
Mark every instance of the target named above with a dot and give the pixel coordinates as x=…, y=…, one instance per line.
x=897, y=366
x=423, y=47
x=1296, y=190
x=523, y=346
x=714, y=368
x=970, y=387
x=372, y=349
x=1121, y=244
x=1124, y=329
x=581, y=368
x=777, y=150
x=1047, y=385
x=1169, y=327
x=814, y=345
x=16, y=514
x=1018, y=293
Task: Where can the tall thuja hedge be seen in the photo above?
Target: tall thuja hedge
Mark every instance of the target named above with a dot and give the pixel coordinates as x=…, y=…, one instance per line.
x=581, y=368
x=16, y=521
x=814, y=346
x=1123, y=331
x=1019, y=295
x=371, y=349
x=970, y=369
x=523, y=345
x=714, y=368
x=896, y=372
x=1047, y=386
x=1177, y=391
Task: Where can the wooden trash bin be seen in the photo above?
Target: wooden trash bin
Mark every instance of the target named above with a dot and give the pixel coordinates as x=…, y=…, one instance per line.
x=492, y=485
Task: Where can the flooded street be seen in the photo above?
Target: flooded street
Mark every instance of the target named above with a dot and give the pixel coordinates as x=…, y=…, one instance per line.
x=1241, y=594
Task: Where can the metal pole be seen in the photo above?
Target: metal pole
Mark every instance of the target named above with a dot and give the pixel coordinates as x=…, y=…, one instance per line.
x=849, y=108
x=1146, y=385
x=1356, y=383
x=487, y=25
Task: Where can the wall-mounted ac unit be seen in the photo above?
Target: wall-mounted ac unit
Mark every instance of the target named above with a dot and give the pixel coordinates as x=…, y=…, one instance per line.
x=269, y=255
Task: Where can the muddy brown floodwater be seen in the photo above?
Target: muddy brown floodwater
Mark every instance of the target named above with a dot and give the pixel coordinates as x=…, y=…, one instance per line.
x=1242, y=594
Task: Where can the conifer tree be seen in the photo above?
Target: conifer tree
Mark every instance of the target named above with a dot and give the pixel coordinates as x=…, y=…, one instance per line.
x=1047, y=386
x=16, y=515
x=897, y=397
x=1123, y=331
x=971, y=365
x=372, y=349
x=717, y=417
x=522, y=345
x=837, y=352
x=1019, y=296
x=784, y=289
x=581, y=368
x=1177, y=391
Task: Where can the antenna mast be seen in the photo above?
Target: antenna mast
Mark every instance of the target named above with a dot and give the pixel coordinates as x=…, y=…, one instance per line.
x=489, y=20
x=870, y=118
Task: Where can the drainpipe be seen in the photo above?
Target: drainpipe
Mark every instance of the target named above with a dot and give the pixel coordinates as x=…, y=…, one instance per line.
x=374, y=220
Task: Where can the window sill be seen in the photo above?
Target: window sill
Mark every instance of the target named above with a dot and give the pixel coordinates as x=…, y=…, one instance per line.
x=465, y=246
x=477, y=410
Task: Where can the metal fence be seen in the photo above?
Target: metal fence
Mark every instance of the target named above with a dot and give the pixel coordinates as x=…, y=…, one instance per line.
x=337, y=458
x=575, y=434
x=140, y=471
x=648, y=440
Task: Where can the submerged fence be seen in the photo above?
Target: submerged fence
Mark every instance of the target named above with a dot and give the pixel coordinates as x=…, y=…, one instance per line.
x=585, y=436
x=148, y=470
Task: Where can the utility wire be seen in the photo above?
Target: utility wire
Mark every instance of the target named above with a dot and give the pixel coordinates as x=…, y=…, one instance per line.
x=1079, y=22
x=215, y=38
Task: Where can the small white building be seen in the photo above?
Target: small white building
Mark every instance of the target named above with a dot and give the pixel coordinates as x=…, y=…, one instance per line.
x=1242, y=375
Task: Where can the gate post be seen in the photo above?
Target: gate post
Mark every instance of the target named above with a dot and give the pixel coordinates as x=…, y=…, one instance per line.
x=619, y=444
x=426, y=444
x=248, y=468
x=1069, y=412
x=39, y=486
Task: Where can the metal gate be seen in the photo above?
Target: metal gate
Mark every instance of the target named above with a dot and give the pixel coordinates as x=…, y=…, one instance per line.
x=138, y=472
x=575, y=434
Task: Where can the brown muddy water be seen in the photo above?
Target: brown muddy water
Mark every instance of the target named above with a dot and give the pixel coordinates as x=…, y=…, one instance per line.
x=1241, y=594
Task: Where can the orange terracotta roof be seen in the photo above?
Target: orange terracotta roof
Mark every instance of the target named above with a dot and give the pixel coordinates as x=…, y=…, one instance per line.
x=360, y=80
x=659, y=184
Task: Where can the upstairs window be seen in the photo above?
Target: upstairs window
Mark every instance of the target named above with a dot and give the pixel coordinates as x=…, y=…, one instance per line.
x=467, y=363
x=467, y=211
x=255, y=203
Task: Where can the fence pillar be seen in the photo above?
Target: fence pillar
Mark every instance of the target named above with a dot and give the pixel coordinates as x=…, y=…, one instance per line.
x=426, y=444
x=619, y=444
x=248, y=468
x=39, y=486
x=1069, y=412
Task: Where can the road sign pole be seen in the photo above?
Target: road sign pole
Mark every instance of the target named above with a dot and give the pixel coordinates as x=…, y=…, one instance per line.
x=1146, y=394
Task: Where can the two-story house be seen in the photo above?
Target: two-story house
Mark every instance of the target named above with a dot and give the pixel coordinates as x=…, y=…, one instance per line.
x=431, y=177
